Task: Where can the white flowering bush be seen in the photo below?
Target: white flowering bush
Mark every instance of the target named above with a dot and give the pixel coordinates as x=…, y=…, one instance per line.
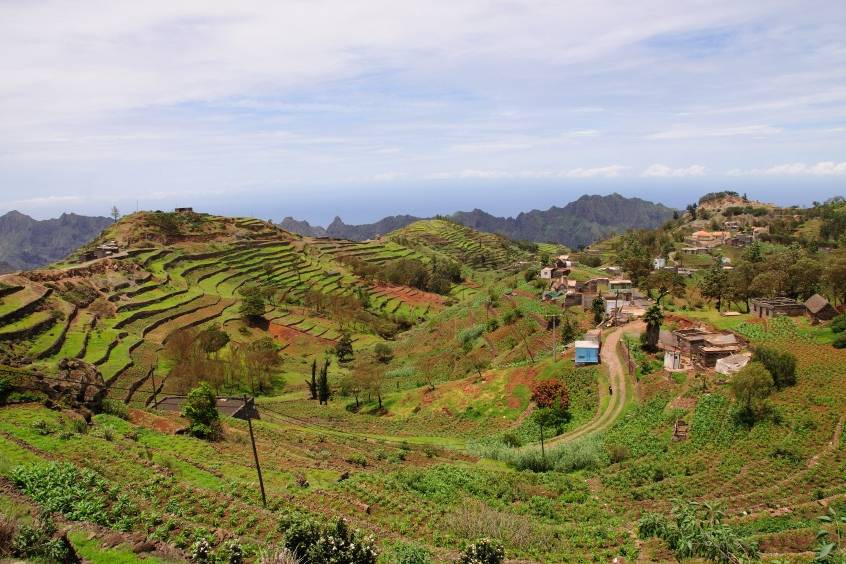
x=201, y=551
x=317, y=543
x=483, y=551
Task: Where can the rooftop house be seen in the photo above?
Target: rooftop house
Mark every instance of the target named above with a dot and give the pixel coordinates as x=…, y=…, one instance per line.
x=563, y=261
x=741, y=239
x=710, y=238
x=184, y=210
x=714, y=347
x=658, y=263
x=819, y=308
x=587, y=352
x=732, y=225
x=239, y=408
x=695, y=250
x=546, y=272
x=732, y=364
x=772, y=307
x=619, y=284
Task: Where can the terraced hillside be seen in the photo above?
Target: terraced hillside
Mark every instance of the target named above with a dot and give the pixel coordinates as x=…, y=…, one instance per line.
x=440, y=237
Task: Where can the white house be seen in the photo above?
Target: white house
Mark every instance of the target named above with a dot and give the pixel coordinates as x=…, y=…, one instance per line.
x=546, y=272
x=659, y=263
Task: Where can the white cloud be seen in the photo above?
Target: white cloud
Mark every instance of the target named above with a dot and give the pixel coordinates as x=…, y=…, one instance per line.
x=660, y=170
x=729, y=131
x=610, y=171
x=822, y=168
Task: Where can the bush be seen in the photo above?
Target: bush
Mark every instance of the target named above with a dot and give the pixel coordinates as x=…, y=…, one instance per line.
x=201, y=551
x=696, y=531
x=358, y=459
x=317, y=543
x=201, y=410
x=781, y=365
x=838, y=324
x=39, y=542
x=840, y=342
x=8, y=531
x=484, y=551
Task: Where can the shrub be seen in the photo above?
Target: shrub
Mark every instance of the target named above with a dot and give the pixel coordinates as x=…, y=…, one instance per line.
x=358, y=459
x=484, y=551
x=696, y=531
x=201, y=410
x=116, y=408
x=232, y=552
x=618, y=453
x=838, y=324
x=326, y=544
x=840, y=341
x=407, y=553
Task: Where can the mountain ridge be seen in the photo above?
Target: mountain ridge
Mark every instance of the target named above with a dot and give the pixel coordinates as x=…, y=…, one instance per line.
x=27, y=243
x=577, y=224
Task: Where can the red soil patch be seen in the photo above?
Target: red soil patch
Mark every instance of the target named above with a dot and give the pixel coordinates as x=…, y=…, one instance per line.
x=291, y=335
x=155, y=422
x=409, y=295
x=519, y=376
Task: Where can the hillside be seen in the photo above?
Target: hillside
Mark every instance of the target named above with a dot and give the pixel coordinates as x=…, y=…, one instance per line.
x=26, y=243
x=579, y=223
x=428, y=439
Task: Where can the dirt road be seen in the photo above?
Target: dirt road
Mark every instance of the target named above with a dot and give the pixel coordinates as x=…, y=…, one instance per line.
x=617, y=378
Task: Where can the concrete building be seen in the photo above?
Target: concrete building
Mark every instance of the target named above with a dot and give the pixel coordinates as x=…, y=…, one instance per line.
x=772, y=307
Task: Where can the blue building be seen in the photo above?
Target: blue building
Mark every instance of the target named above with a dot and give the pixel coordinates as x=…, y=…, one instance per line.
x=587, y=352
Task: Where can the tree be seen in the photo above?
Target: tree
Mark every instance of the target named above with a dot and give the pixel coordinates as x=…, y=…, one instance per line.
x=666, y=282
x=570, y=329
x=261, y=358
x=598, y=307
x=252, y=304
x=835, y=279
x=804, y=277
x=751, y=388
x=324, y=393
x=344, y=348
x=714, y=284
x=115, y=213
x=654, y=318
x=553, y=402
x=769, y=284
x=212, y=339
x=780, y=364
x=201, y=410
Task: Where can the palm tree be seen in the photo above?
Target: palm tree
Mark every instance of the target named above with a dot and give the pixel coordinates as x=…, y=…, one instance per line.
x=654, y=317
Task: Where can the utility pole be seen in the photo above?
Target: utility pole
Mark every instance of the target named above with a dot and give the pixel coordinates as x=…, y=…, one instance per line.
x=153, y=380
x=554, y=317
x=255, y=454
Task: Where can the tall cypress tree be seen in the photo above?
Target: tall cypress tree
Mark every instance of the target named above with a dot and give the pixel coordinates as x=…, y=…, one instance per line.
x=312, y=386
x=323, y=391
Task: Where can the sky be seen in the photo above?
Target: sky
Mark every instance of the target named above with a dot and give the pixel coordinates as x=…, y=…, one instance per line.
x=316, y=108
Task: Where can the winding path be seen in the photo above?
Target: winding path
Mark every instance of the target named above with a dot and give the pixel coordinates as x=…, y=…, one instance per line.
x=617, y=378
